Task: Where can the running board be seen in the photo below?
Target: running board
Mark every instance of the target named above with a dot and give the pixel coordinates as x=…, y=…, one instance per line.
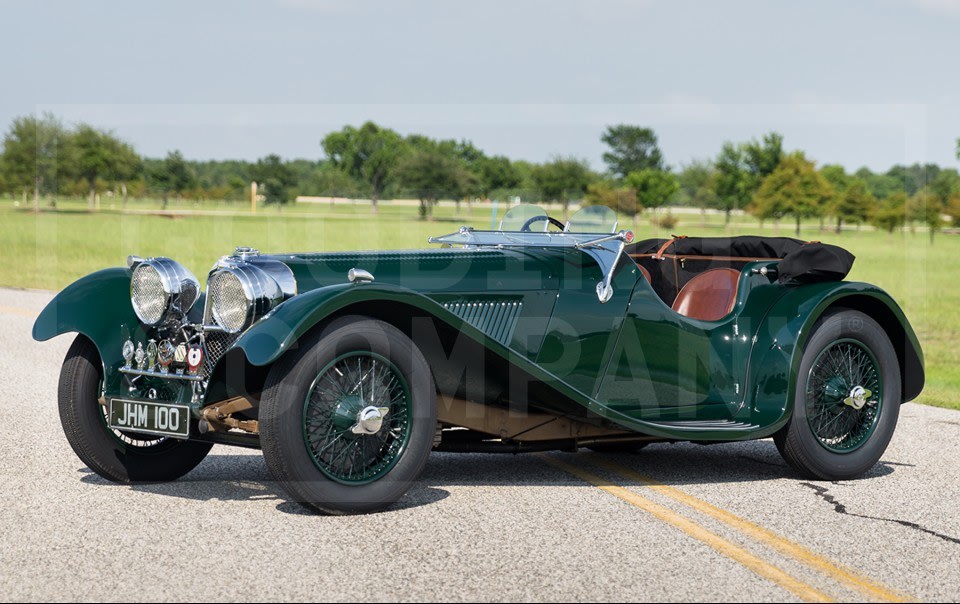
x=703, y=425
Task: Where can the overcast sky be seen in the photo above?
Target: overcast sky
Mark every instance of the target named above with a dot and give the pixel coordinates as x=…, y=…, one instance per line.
x=854, y=82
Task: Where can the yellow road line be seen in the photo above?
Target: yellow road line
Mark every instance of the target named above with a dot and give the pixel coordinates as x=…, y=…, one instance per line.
x=763, y=568
x=20, y=312
x=841, y=574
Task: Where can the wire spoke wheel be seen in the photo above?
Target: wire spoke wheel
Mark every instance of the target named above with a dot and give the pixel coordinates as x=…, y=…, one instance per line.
x=844, y=395
x=356, y=418
x=847, y=399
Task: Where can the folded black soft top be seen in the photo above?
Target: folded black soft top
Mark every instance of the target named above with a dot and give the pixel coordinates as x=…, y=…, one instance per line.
x=801, y=261
x=745, y=246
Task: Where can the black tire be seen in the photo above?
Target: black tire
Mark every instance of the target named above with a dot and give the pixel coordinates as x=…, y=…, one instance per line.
x=97, y=446
x=283, y=417
x=797, y=442
x=625, y=447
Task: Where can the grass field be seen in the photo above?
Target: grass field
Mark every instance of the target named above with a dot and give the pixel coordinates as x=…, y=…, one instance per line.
x=51, y=249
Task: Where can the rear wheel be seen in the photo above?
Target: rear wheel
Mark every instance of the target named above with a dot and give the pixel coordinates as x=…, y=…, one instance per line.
x=124, y=457
x=847, y=399
x=348, y=419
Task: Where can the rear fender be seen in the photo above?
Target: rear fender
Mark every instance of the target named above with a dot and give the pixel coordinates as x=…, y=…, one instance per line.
x=779, y=344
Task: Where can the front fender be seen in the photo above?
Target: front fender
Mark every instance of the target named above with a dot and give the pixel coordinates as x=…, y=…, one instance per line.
x=90, y=305
x=97, y=306
x=276, y=333
x=779, y=345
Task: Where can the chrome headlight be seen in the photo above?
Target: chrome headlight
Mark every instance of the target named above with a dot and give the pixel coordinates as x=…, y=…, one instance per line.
x=161, y=288
x=240, y=294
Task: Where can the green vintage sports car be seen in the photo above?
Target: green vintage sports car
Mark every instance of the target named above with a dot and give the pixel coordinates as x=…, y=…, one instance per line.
x=348, y=369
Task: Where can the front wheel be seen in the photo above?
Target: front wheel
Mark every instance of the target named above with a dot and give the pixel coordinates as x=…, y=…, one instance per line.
x=847, y=399
x=123, y=457
x=348, y=419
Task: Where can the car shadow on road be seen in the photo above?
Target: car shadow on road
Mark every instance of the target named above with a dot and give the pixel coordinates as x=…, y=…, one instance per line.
x=668, y=463
x=245, y=477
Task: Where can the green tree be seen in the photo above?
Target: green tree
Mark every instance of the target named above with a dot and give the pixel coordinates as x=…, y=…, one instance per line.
x=562, y=179
x=742, y=168
x=890, y=213
x=698, y=185
x=632, y=149
x=528, y=182
x=837, y=176
x=431, y=175
x=915, y=177
x=927, y=207
x=35, y=149
x=839, y=180
x=619, y=199
x=733, y=181
x=470, y=159
x=98, y=154
x=953, y=210
x=329, y=181
x=654, y=188
x=881, y=185
x=762, y=157
x=854, y=204
x=497, y=173
x=945, y=185
x=369, y=154
x=231, y=173
x=172, y=175
x=128, y=166
x=795, y=189
x=463, y=151
x=276, y=178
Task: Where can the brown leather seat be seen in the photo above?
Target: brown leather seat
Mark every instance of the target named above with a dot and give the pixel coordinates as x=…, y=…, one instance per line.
x=709, y=296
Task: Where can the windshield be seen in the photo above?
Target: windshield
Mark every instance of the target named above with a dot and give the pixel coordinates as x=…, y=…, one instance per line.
x=593, y=219
x=525, y=216
x=592, y=230
x=528, y=217
x=528, y=224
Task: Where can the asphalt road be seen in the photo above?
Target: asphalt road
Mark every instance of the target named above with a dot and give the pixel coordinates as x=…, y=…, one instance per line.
x=675, y=522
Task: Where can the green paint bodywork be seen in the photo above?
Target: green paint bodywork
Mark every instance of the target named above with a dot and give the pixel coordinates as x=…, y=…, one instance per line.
x=97, y=306
x=631, y=361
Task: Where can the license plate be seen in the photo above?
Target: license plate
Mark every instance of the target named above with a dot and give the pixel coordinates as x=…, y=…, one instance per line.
x=150, y=417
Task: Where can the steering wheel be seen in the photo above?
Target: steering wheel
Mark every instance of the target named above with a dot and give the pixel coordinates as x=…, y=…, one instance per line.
x=526, y=225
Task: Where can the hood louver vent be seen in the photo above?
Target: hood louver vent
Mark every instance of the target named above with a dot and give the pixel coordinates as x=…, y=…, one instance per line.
x=496, y=319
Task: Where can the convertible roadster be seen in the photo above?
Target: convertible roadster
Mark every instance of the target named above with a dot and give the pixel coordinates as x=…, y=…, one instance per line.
x=348, y=369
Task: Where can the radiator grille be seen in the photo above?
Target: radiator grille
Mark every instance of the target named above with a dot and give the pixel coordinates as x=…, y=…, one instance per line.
x=215, y=344
x=496, y=319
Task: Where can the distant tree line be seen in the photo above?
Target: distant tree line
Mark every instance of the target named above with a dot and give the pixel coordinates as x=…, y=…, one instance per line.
x=44, y=159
